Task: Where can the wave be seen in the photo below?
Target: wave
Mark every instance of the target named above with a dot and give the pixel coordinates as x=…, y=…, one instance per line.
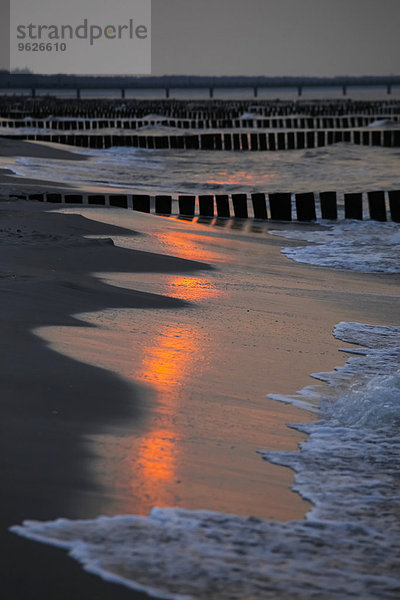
x=357, y=246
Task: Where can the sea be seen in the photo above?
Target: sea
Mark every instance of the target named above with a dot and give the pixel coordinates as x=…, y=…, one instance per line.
x=348, y=545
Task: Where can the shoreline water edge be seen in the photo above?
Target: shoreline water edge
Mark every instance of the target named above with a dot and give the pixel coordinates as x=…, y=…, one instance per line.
x=60, y=265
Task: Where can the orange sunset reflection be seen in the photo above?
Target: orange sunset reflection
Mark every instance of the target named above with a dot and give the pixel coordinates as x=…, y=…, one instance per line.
x=189, y=246
x=248, y=177
x=174, y=355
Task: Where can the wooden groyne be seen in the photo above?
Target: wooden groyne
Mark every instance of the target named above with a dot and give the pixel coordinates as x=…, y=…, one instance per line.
x=199, y=110
x=243, y=122
x=377, y=205
x=265, y=141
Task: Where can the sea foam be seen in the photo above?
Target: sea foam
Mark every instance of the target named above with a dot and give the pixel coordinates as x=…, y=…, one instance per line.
x=364, y=246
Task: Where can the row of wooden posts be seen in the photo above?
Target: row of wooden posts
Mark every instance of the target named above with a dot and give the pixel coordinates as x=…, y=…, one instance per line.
x=212, y=123
x=275, y=206
x=186, y=109
x=290, y=140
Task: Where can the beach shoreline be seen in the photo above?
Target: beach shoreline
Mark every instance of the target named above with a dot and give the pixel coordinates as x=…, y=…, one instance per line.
x=47, y=267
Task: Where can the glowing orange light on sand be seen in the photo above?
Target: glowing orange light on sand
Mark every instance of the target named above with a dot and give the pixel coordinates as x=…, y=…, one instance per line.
x=191, y=288
x=168, y=363
x=189, y=246
x=156, y=460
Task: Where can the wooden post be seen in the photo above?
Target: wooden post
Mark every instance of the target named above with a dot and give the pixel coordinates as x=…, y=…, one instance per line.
x=253, y=141
x=281, y=141
x=236, y=141
x=394, y=203
x=387, y=139
x=280, y=205
x=119, y=200
x=305, y=207
x=222, y=201
x=338, y=136
x=353, y=206
x=300, y=140
x=271, y=141
x=255, y=91
x=206, y=205
x=186, y=205
x=38, y=197
x=73, y=199
x=377, y=207
x=98, y=199
x=259, y=206
x=366, y=139
x=123, y=93
x=376, y=138
x=328, y=202
x=321, y=138
x=54, y=198
x=160, y=142
x=217, y=141
x=141, y=203
x=245, y=141
x=240, y=206
x=227, y=141
x=262, y=141
x=207, y=141
x=290, y=140
x=163, y=205
x=191, y=142
x=211, y=91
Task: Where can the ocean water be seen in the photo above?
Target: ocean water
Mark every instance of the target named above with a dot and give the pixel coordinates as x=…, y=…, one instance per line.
x=342, y=167
x=348, y=546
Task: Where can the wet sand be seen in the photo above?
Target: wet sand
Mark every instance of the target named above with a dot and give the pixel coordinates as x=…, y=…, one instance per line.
x=14, y=184
x=157, y=394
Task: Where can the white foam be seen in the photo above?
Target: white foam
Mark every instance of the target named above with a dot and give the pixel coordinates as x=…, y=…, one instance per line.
x=347, y=548
x=365, y=246
x=384, y=123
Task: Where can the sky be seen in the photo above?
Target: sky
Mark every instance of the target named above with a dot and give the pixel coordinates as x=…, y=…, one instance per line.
x=276, y=37
x=270, y=37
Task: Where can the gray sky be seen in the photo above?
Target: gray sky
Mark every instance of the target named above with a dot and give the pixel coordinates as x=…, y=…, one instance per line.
x=265, y=37
x=276, y=37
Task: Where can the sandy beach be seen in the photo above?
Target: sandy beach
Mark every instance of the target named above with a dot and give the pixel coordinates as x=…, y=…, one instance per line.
x=98, y=419
x=13, y=184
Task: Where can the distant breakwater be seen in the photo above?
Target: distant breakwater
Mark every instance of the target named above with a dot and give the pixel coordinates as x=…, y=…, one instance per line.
x=230, y=125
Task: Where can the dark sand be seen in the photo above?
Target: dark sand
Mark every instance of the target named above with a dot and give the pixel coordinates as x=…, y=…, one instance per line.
x=49, y=401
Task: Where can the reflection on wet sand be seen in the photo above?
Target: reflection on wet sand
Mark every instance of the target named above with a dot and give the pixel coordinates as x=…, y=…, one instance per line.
x=191, y=247
x=202, y=377
x=167, y=364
